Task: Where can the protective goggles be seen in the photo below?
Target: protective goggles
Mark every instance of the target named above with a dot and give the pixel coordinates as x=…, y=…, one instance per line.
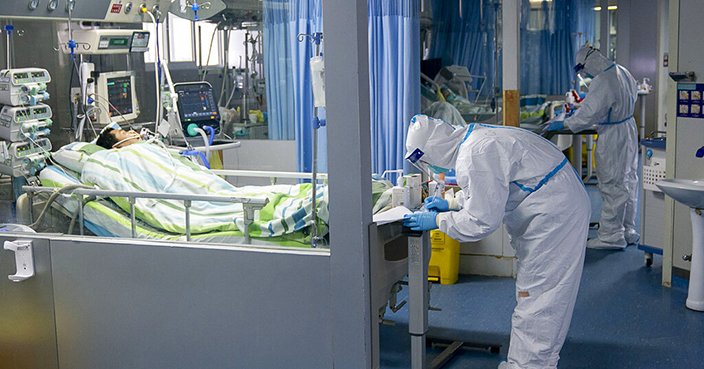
x=414, y=158
x=422, y=165
x=580, y=66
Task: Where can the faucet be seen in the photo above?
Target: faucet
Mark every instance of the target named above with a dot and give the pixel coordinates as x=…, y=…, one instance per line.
x=700, y=152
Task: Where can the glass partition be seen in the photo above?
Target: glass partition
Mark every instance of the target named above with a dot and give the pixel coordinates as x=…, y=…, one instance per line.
x=223, y=81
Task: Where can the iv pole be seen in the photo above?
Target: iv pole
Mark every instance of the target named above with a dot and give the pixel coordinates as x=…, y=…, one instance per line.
x=315, y=38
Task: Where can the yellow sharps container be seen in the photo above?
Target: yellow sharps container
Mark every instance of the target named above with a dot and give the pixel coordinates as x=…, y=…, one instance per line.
x=445, y=258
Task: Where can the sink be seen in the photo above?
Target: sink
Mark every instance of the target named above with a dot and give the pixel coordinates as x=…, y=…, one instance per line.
x=689, y=192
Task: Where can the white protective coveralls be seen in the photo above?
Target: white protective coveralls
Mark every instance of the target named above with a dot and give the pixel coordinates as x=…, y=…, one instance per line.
x=609, y=103
x=512, y=175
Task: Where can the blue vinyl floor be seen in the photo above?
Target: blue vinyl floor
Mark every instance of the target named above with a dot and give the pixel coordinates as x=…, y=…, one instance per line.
x=623, y=318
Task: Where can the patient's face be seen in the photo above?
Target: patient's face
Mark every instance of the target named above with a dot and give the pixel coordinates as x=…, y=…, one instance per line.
x=125, y=138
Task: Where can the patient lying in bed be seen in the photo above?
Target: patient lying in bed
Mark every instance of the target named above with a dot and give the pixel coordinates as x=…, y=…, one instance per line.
x=111, y=138
x=136, y=165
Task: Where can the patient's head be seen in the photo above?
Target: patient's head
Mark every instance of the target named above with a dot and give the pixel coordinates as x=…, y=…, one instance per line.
x=117, y=138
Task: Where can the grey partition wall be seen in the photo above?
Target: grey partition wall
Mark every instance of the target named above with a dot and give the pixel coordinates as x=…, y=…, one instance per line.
x=133, y=304
x=27, y=327
x=148, y=306
x=349, y=161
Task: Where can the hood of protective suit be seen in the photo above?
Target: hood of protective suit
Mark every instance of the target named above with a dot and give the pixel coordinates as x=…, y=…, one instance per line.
x=437, y=140
x=594, y=63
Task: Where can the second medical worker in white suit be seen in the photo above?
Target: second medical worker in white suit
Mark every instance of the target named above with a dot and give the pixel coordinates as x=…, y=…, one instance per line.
x=515, y=176
x=609, y=104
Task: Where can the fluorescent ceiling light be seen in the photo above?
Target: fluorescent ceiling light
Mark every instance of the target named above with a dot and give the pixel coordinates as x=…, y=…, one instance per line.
x=611, y=7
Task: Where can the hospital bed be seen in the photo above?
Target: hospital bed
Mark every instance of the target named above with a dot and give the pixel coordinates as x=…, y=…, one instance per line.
x=533, y=108
x=101, y=216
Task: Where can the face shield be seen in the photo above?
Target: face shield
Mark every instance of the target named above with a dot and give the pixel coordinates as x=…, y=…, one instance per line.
x=415, y=158
x=579, y=68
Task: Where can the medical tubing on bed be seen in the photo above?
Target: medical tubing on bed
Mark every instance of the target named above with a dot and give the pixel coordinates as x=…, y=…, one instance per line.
x=75, y=214
x=204, y=135
x=212, y=134
x=52, y=198
x=193, y=153
x=314, y=182
x=210, y=141
x=193, y=129
x=168, y=154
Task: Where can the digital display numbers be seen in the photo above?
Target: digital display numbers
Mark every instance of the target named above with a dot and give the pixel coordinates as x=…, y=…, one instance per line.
x=22, y=115
x=119, y=41
x=140, y=41
x=38, y=111
x=30, y=76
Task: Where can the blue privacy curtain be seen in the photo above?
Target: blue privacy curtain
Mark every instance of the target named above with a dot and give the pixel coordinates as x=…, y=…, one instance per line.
x=278, y=71
x=287, y=68
x=549, y=43
x=394, y=78
x=548, y=40
x=465, y=39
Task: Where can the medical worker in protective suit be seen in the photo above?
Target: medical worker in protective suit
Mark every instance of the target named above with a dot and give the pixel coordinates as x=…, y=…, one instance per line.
x=609, y=104
x=515, y=176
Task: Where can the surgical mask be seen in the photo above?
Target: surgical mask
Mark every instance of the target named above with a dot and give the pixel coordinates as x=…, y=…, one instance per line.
x=133, y=135
x=422, y=165
x=436, y=169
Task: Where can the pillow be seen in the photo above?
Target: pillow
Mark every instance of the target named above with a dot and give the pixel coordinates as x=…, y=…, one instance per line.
x=75, y=154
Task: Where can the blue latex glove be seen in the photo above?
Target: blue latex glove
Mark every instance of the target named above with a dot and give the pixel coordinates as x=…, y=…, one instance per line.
x=436, y=203
x=421, y=221
x=555, y=125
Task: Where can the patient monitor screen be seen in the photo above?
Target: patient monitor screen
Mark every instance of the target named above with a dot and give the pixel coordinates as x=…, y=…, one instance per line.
x=120, y=95
x=197, y=105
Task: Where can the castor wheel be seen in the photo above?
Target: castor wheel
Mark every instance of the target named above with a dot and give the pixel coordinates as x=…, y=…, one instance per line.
x=648, y=259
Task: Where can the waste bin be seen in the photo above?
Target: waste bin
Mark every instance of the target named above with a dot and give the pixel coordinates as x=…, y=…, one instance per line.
x=444, y=259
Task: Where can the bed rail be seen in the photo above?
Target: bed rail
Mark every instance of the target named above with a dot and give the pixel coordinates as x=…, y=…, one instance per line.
x=269, y=174
x=249, y=205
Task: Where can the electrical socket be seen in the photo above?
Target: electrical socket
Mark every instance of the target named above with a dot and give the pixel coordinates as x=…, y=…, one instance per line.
x=75, y=94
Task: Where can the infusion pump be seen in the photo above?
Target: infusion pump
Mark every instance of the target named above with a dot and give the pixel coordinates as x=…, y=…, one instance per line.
x=22, y=158
x=24, y=86
x=24, y=122
x=18, y=123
